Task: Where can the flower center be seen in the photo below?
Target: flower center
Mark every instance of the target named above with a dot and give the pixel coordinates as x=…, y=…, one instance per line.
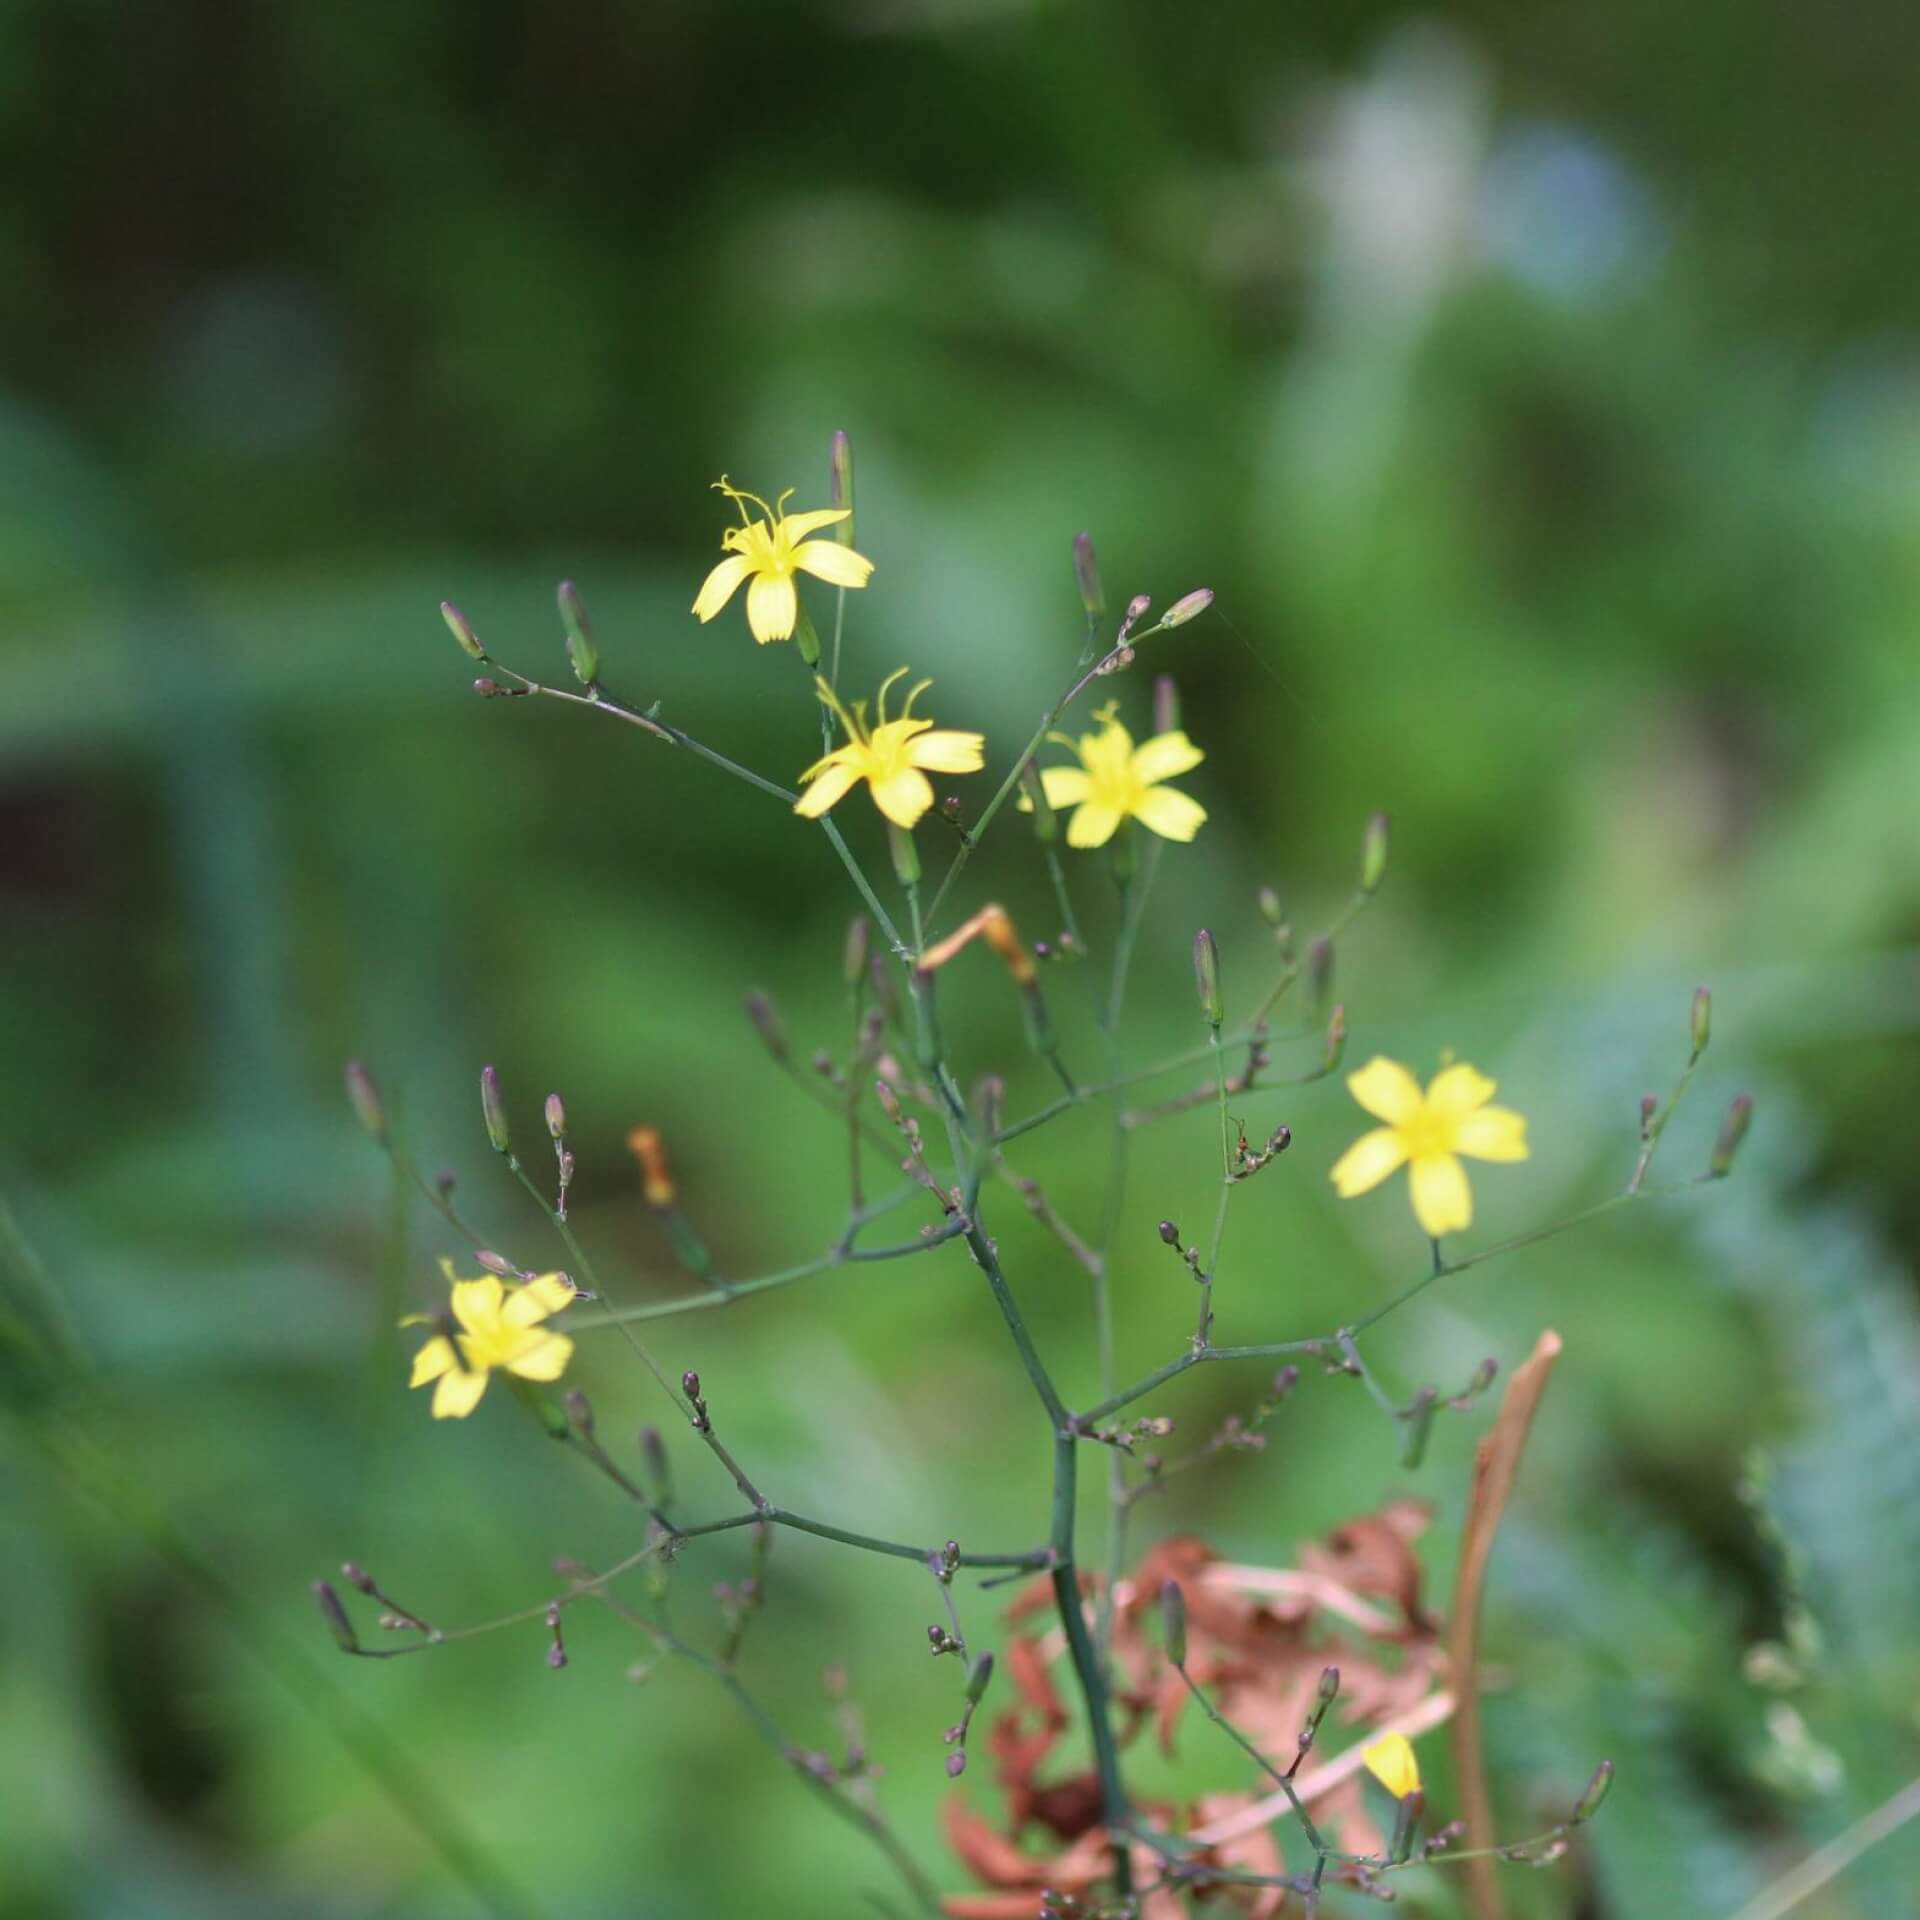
x=1426, y=1134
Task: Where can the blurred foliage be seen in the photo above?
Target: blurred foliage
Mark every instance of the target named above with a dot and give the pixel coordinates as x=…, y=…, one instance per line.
x=1540, y=392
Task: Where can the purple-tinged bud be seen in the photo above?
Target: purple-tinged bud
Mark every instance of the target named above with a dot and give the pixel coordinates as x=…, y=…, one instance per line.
x=580, y=1414
x=459, y=627
x=1137, y=608
x=1320, y=970
x=690, y=1384
x=1166, y=704
x=1336, y=1038
x=1206, y=978
x=556, y=1116
x=1280, y=1139
x=1285, y=1381
x=1733, y=1129
x=840, y=484
x=1329, y=1685
x=767, y=1024
x=1086, y=574
x=853, y=956
x=1173, y=1621
x=1270, y=909
x=580, y=648
x=956, y=1763
x=490, y=689
x=1589, y=1802
x=1190, y=606
x=653, y=1451
x=496, y=1263
x=1649, y=1106
x=1169, y=1233
x=358, y=1577
x=1373, y=852
x=979, y=1675
x=335, y=1616
x=493, y=1109
x=1702, y=1020
x=366, y=1100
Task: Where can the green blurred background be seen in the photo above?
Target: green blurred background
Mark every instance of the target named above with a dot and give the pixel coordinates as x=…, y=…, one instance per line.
x=1539, y=389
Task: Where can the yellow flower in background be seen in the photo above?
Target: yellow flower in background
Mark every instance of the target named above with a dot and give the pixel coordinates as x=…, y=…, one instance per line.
x=1427, y=1132
x=1390, y=1760
x=768, y=552
x=497, y=1327
x=1118, y=781
x=889, y=757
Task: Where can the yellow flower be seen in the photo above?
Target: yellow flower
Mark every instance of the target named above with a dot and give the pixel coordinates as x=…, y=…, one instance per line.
x=1390, y=1760
x=1117, y=781
x=498, y=1327
x=888, y=758
x=768, y=552
x=1428, y=1131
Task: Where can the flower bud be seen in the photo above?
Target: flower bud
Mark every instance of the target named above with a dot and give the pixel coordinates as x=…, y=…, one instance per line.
x=1206, y=978
x=1166, y=704
x=580, y=1414
x=1137, y=609
x=1336, y=1038
x=1702, y=1020
x=840, y=484
x=978, y=1676
x=656, y=1176
x=1329, y=1685
x=1407, y=1824
x=988, y=1106
x=335, y=1615
x=1046, y=823
x=690, y=1384
x=1270, y=908
x=1733, y=1129
x=653, y=1451
x=556, y=1116
x=493, y=1109
x=1086, y=573
x=1320, y=970
x=1173, y=1621
x=1188, y=607
x=767, y=1024
x=853, y=956
x=1373, y=852
x=1169, y=1233
x=1589, y=1802
x=461, y=631
x=956, y=1763
x=906, y=856
x=580, y=648
x=366, y=1100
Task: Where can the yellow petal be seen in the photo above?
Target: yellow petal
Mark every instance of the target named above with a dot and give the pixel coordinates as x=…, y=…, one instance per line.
x=1164, y=756
x=1386, y=1089
x=1391, y=1761
x=1493, y=1133
x=1108, y=754
x=947, y=750
x=432, y=1361
x=721, y=585
x=1456, y=1091
x=904, y=796
x=527, y=1306
x=1064, y=786
x=828, y=785
x=796, y=526
x=458, y=1393
x=828, y=560
x=772, y=606
x=1442, y=1200
x=544, y=1360
x=476, y=1303
x=1093, y=824
x=1367, y=1162
x=1169, y=813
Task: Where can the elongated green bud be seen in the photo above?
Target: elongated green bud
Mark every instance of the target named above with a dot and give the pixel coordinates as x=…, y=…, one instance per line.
x=1702, y=1020
x=1173, y=1621
x=653, y=1450
x=1589, y=1802
x=1190, y=606
x=1206, y=978
x=1733, y=1129
x=493, y=1109
x=853, y=957
x=1419, y=1426
x=580, y=648
x=458, y=626
x=1373, y=852
x=1271, y=910
x=1086, y=574
x=840, y=485
x=978, y=1676
x=365, y=1096
x=1046, y=823
x=906, y=856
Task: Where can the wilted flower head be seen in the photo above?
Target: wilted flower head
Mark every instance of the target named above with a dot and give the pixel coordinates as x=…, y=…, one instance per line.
x=888, y=757
x=768, y=552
